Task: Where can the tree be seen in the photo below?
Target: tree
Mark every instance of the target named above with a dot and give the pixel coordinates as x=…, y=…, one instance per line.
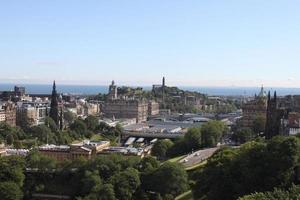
x=212, y=132
x=50, y=123
x=278, y=194
x=10, y=191
x=257, y=166
x=106, y=192
x=259, y=124
x=11, y=170
x=10, y=139
x=212, y=181
x=91, y=182
x=243, y=135
x=91, y=122
x=43, y=133
x=169, y=178
x=64, y=137
x=69, y=117
x=39, y=161
x=193, y=139
x=148, y=164
x=11, y=133
x=126, y=183
x=160, y=148
x=79, y=127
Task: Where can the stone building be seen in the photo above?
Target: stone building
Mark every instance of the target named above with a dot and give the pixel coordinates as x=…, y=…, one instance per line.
x=153, y=108
x=8, y=113
x=126, y=107
x=84, y=149
x=2, y=115
x=32, y=113
x=120, y=108
x=253, y=109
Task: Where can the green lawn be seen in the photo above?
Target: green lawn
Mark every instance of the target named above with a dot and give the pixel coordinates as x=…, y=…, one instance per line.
x=96, y=138
x=196, y=166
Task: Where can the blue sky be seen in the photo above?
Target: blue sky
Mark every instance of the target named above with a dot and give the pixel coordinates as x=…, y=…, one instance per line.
x=136, y=42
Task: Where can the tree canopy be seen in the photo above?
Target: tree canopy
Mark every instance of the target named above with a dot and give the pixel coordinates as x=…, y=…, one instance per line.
x=256, y=167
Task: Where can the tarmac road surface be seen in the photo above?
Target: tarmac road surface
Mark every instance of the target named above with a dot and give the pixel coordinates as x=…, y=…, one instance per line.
x=198, y=156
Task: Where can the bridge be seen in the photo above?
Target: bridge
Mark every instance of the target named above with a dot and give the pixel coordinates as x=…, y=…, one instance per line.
x=152, y=135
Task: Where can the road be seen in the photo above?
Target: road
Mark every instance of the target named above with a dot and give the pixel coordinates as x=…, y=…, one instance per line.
x=198, y=156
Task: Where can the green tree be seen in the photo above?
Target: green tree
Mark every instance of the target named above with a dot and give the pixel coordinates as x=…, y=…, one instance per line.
x=259, y=124
x=10, y=191
x=9, y=139
x=106, y=192
x=64, y=137
x=169, y=178
x=39, y=161
x=160, y=148
x=126, y=183
x=148, y=164
x=257, y=166
x=79, y=127
x=69, y=117
x=193, y=139
x=243, y=135
x=11, y=170
x=44, y=134
x=212, y=132
x=49, y=122
x=278, y=194
x=91, y=122
x=91, y=182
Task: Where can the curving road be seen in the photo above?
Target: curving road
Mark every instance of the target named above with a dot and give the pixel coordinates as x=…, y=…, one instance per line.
x=197, y=157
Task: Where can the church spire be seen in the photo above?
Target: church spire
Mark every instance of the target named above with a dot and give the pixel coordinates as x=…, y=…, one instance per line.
x=54, y=105
x=54, y=86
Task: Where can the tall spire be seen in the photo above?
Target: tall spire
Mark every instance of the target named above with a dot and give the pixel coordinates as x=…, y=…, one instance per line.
x=54, y=105
x=54, y=86
x=163, y=89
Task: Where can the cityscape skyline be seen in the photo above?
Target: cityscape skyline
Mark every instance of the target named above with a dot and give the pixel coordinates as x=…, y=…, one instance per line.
x=235, y=43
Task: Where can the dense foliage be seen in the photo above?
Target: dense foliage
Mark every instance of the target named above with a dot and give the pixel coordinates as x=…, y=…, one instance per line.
x=11, y=178
x=257, y=166
x=49, y=133
x=242, y=134
x=278, y=194
x=105, y=177
x=208, y=135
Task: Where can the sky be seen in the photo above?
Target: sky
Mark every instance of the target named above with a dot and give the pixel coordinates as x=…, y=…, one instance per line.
x=137, y=42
